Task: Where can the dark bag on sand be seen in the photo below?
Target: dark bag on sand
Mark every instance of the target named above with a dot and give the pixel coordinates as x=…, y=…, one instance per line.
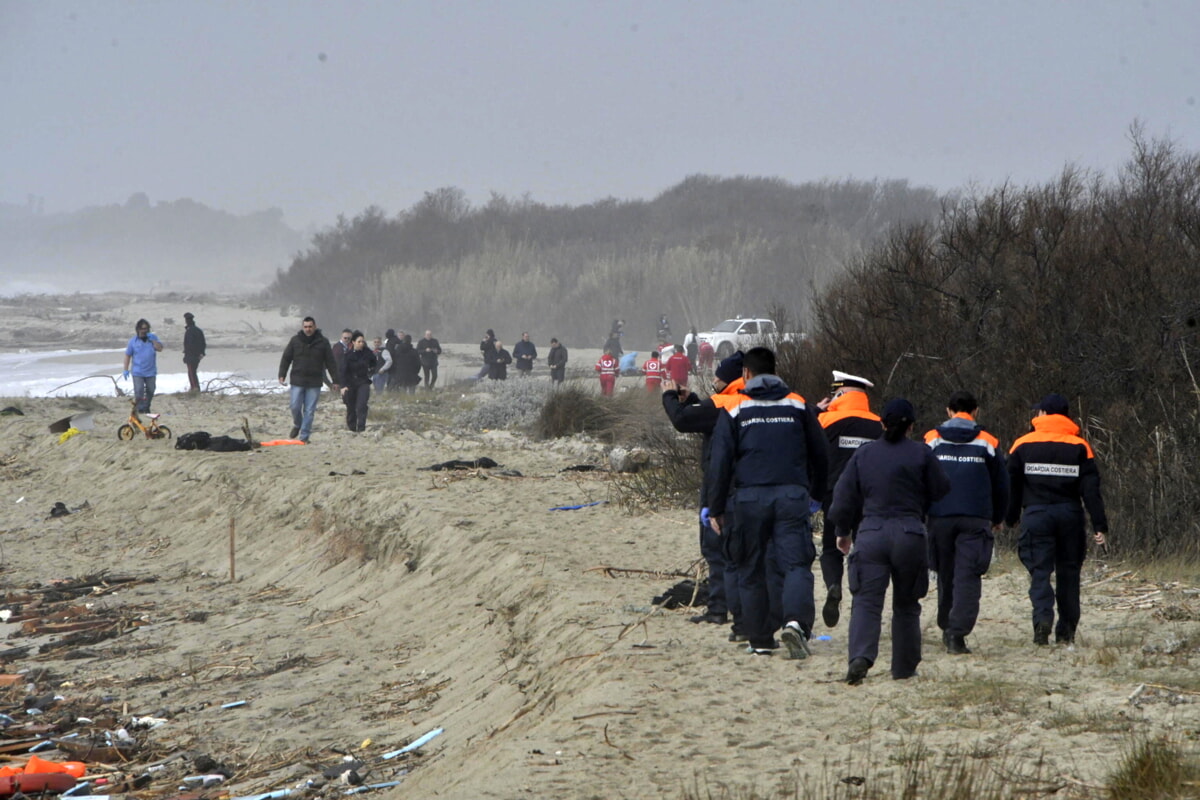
x=680, y=595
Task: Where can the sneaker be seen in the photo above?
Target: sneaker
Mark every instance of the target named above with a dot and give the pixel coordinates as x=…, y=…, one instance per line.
x=295, y=433
x=832, y=612
x=795, y=641
x=858, y=671
x=714, y=619
x=1041, y=633
x=759, y=651
x=957, y=645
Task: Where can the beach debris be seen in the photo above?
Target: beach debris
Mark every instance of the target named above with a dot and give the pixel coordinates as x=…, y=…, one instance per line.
x=459, y=464
x=203, y=440
x=685, y=594
x=418, y=743
x=11, y=411
x=69, y=433
x=582, y=468
x=235, y=704
x=60, y=510
x=622, y=459
x=78, y=422
x=581, y=505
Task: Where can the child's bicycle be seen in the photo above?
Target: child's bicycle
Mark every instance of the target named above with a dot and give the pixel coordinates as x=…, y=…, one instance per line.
x=153, y=431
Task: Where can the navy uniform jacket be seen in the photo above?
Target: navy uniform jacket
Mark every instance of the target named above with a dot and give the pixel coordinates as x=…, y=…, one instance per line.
x=1054, y=465
x=698, y=415
x=769, y=439
x=888, y=479
x=975, y=467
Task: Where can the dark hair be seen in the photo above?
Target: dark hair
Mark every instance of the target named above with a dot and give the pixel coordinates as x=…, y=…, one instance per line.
x=347, y=330
x=898, y=417
x=759, y=361
x=308, y=319
x=355, y=334
x=962, y=401
x=143, y=323
x=554, y=341
x=654, y=354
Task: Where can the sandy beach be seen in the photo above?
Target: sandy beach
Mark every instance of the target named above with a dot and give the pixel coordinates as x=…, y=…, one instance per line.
x=373, y=600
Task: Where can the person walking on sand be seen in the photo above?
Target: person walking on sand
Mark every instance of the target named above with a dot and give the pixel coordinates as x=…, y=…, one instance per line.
x=691, y=414
x=768, y=463
x=383, y=363
x=429, y=349
x=487, y=347
x=309, y=357
x=341, y=347
x=885, y=492
x=355, y=379
x=524, y=353
x=1050, y=472
x=141, y=362
x=849, y=423
x=193, y=350
x=608, y=366
x=962, y=524
x=557, y=361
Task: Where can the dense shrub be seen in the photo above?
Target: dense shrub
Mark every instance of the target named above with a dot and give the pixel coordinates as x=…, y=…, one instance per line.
x=504, y=404
x=1085, y=286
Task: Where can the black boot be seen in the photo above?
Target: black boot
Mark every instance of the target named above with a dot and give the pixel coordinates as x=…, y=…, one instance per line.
x=858, y=671
x=1041, y=633
x=957, y=645
x=831, y=613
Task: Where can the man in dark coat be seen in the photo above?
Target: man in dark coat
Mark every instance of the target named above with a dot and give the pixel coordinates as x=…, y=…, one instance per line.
x=429, y=349
x=524, y=354
x=193, y=350
x=309, y=356
x=557, y=361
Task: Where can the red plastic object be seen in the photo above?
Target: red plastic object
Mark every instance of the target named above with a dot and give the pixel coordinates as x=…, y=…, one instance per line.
x=39, y=782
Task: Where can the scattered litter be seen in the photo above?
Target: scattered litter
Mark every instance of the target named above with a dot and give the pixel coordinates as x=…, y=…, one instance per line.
x=420, y=742
x=582, y=505
x=11, y=411
x=479, y=463
x=235, y=704
x=582, y=468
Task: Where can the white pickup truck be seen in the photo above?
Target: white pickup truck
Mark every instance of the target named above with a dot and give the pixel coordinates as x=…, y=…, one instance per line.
x=742, y=334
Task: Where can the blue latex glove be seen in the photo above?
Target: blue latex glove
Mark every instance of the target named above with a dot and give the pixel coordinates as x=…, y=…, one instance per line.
x=814, y=506
x=125, y=375
x=704, y=517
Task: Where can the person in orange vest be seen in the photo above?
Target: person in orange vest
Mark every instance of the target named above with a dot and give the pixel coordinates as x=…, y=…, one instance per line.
x=848, y=422
x=653, y=370
x=608, y=366
x=678, y=366
x=691, y=414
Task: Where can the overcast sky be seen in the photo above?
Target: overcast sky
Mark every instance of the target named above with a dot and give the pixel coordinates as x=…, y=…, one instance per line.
x=321, y=108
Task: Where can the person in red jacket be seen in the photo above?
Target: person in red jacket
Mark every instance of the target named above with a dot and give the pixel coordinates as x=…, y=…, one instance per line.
x=608, y=366
x=705, y=356
x=678, y=366
x=653, y=370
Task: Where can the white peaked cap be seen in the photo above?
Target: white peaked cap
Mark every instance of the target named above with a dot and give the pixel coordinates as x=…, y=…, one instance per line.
x=846, y=379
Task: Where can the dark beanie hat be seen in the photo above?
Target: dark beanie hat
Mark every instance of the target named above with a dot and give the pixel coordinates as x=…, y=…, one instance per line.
x=1054, y=404
x=391, y=333
x=189, y=315
x=730, y=369
x=897, y=411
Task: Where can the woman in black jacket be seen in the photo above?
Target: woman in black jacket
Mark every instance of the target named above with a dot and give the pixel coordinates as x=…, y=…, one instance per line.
x=357, y=368
x=407, y=365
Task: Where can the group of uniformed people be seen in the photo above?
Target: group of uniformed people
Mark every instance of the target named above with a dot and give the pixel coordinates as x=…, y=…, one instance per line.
x=894, y=509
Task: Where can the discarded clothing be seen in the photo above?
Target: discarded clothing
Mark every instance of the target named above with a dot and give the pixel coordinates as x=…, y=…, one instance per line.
x=202, y=440
x=680, y=595
x=11, y=411
x=581, y=468
x=575, y=508
x=484, y=463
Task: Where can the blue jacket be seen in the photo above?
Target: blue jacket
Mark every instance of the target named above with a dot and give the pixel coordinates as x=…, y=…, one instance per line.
x=887, y=479
x=769, y=439
x=975, y=467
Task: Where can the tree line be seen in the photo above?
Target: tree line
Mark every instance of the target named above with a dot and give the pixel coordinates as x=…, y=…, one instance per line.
x=1085, y=285
x=705, y=249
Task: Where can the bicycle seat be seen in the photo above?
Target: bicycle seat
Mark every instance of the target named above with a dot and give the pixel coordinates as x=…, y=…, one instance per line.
x=153, y=416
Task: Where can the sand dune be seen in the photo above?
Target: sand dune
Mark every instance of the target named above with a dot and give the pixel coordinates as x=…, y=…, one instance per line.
x=408, y=600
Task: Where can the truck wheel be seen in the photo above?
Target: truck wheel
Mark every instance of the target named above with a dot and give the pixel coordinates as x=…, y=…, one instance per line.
x=724, y=351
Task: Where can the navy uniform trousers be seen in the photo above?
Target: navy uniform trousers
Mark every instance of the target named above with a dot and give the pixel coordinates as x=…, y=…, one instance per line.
x=1054, y=540
x=719, y=573
x=774, y=567
x=960, y=552
x=888, y=550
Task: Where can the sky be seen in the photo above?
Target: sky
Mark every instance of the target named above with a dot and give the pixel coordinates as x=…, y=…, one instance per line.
x=326, y=108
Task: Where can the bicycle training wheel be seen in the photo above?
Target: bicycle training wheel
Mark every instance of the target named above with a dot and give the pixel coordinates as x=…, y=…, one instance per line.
x=125, y=433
